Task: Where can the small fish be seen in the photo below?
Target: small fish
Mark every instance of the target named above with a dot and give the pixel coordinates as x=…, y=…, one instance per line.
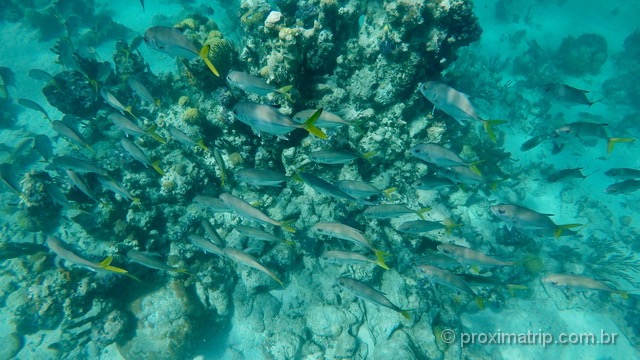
x=326, y=120
x=77, y=165
x=103, y=72
x=259, y=234
x=7, y=177
x=43, y=146
x=267, y=119
x=112, y=101
x=462, y=175
x=324, y=187
x=348, y=233
x=186, y=140
x=34, y=106
x=581, y=129
x=566, y=174
x=248, y=260
x=439, y=155
x=470, y=257
x=112, y=185
x=172, y=42
x=526, y=219
x=213, y=234
x=438, y=260
x=63, y=251
x=206, y=245
x=367, y=293
x=446, y=278
x=20, y=149
x=255, y=85
x=42, y=75
x=7, y=76
x=341, y=257
x=137, y=154
x=221, y=166
x=580, y=283
x=390, y=211
x=362, y=190
x=69, y=134
x=455, y=104
x=421, y=226
x=139, y=89
x=567, y=94
x=260, y=177
x=82, y=186
x=245, y=210
x=212, y=203
x=333, y=157
x=534, y=141
x=150, y=262
x=432, y=182
x=142, y=3
x=623, y=173
x=56, y=195
x=624, y=187
x=130, y=128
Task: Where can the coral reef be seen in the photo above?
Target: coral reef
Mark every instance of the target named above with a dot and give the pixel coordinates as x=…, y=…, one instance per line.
x=583, y=55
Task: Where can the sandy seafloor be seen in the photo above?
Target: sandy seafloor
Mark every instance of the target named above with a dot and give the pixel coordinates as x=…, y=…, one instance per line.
x=551, y=22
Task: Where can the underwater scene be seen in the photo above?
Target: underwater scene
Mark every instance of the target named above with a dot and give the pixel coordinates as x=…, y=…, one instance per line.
x=319, y=179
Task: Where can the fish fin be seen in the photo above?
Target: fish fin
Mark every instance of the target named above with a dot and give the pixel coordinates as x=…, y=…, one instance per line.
x=611, y=142
x=380, y=259
x=558, y=231
x=387, y=192
x=285, y=225
x=513, y=287
x=157, y=102
x=450, y=225
x=128, y=111
x=133, y=277
x=183, y=271
x=623, y=294
x=201, y=145
x=204, y=53
x=311, y=128
x=480, y=303
x=285, y=91
x=405, y=314
x=474, y=168
x=487, y=124
x=369, y=154
x=105, y=264
x=156, y=167
x=421, y=212
x=152, y=132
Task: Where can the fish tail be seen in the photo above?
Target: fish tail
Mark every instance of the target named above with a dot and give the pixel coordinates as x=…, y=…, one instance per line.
x=220, y=162
x=274, y=277
x=286, y=92
x=421, y=212
x=405, y=314
x=156, y=167
x=387, y=192
x=487, y=124
x=289, y=242
x=152, y=132
x=201, y=144
x=480, y=303
x=311, y=128
x=105, y=264
x=183, y=271
x=613, y=141
x=157, y=102
x=369, y=154
x=623, y=294
x=133, y=277
x=204, y=54
x=128, y=111
x=558, y=231
x=380, y=259
x=473, y=166
x=285, y=225
x=513, y=287
x=450, y=225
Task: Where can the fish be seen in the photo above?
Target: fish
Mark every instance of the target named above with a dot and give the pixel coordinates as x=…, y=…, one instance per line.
x=623, y=187
x=103, y=72
x=367, y=293
x=142, y=3
x=534, y=141
x=341, y=257
x=63, y=251
x=130, y=128
x=363, y=190
x=421, y=226
x=432, y=182
x=212, y=203
x=41, y=75
x=255, y=85
x=185, y=139
x=333, y=157
x=440, y=156
x=43, y=146
x=248, y=260
x=21, y=148
x=470, y=257
x=221, y=166
x=345, y=232
x=580, y=283
x=519, y=217
x=438, y=260
x=150, y=262
x=455, y=104
x=446, y=278
x=389, y=211
x=324, y=187
x=567, y=94
x=623, y=173
x=259, y=234
x=462, y=175
x=81, y=185
x=245, y=210
x=172, y=42
x=112, y=185
x=77, y=165
x=56, y=195
x=566, y=174
x=7, y=76
x=34, y=106
x=206, y=245
x=582, y=129
x=7, y=176
x=327, y=120
x=139, y=89
x=137, y=154
x=264, y=118
x=260, y=177
x=69, y=134
x=213, y=234
x=112, y=101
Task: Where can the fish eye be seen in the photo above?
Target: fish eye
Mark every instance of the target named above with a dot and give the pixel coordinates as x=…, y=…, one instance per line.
x=501, y=211
x=146, y=39
x=319, y=230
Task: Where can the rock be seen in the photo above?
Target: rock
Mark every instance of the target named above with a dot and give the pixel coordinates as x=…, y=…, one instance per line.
x=10, y=345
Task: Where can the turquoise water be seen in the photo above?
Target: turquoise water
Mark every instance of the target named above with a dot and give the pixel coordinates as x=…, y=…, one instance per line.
x=558, y=281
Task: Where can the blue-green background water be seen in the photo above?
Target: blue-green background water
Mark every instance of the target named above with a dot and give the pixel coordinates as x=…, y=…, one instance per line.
x=230, y=311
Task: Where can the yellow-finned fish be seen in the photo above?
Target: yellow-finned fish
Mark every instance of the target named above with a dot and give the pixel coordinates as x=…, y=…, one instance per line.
x=519, y=217
x=245, y=210
x=248, y=260
x=150, y=262
x=348, y=233
x=255, y=85
x=267, y=119
x=63, y=251
x=580, y=283
x=469, y=256
x=367, y=293
x=137, y=154
x=130, y=128
x=450, y=280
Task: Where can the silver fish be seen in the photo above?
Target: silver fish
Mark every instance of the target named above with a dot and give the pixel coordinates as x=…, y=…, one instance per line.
x=624, y=187
x=526, y=219
x=333, y=157
x=566, y=174
x=8, y=178
x=137, y=154
x=327, y=120
x=185, y=139
x=259, y=234
x=81, y=185
x=139, y=89
x=462, y=175
x=623, y=173
x=248, y=260
x=77, y=165
x=324, y=187
x=582, y=130
x=62, y=250
x=56, y=195
x=112, y=101
x=421, y=226
x=367, y=293
x=341, y=257
x=260, y=177
x=437, y=155
x=446, y=278
x=212, y=203
x=567, y=94
x=432, y=182
x=69, y=134
x=580, y=283
x=112, y=185
x=389, y=211
x=245, y=210
x=150, y=262
x=43, y=146
x=213, y=234
x=267, y=119
x=362, y=190
x=255, y=85
x=34, y=106
x=206, y=245
x=470, y=257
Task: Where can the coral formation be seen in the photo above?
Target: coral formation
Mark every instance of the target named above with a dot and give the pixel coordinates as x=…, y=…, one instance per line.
x=583, y=55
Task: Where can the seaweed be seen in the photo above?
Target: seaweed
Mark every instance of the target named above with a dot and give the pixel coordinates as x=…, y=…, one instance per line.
x=608, y=260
